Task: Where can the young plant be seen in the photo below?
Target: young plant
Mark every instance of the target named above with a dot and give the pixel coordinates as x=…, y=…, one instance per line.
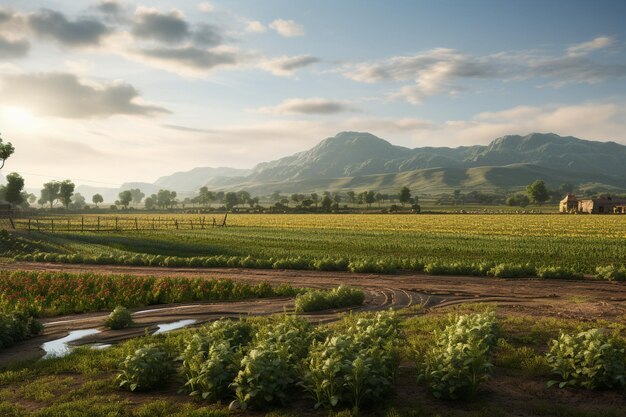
x=119, y=318
x=146, y=368
x=591, y=359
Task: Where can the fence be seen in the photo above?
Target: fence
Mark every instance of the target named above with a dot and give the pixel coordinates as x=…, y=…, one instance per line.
x=114, y=224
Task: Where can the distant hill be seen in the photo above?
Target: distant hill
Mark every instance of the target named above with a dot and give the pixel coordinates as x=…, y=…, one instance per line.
x=363, y=161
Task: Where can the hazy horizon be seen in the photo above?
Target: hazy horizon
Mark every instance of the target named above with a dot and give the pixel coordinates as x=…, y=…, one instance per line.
x=108, y=92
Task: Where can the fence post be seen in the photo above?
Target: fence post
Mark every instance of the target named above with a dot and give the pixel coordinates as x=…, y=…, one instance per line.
x=153, y=223
x=191, y=224
x=38, y=226
x=29, y=225
x=176, y=223
x=98, y=225
x=52, y=224
x=68, y=224
x=136, y=224
x=116, y=220
x=82, y=223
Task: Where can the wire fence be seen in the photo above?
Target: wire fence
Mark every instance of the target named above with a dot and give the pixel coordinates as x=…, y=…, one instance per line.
x=115, y=224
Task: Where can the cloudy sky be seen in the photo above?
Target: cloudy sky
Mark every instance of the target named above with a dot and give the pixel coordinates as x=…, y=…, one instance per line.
x=112, y=91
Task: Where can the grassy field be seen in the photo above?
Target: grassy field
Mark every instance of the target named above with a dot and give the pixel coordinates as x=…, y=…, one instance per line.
x=580, y=242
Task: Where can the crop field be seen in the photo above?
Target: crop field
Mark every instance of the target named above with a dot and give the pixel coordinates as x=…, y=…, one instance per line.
x=445, y=322
x=579, y=242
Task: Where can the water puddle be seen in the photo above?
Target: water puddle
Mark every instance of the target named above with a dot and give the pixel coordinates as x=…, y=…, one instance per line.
x=100, y=346
x=164, y=328
x=60, y=347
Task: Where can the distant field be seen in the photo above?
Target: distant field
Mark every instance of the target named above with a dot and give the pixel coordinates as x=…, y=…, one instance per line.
x=581, y=242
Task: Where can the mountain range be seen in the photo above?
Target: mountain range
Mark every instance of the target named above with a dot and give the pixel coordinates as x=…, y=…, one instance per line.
x=362, y=161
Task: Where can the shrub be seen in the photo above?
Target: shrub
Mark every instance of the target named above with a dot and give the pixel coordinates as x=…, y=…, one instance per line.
x=119, y=318
x=17, y=326
x=263, y=379
x=512, y=271
x=611, y=273
x=214, y=372
x=339, y=297
x=355, y=364
x=146, y=368
x=459, y=362
x=591, y=359
x=558, y=272
x=292, y=263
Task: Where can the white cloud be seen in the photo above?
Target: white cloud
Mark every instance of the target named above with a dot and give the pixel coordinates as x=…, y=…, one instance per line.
x=442, y=71
x=287, y=28
x=584, y=48
x=309, y=106
x=286, y=66
x=206, y=7
x=254, y=26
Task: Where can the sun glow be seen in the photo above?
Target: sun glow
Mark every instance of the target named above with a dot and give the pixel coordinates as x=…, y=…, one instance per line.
x=20, y=119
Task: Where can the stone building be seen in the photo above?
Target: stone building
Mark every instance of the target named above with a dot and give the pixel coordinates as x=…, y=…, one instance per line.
x=602, y=205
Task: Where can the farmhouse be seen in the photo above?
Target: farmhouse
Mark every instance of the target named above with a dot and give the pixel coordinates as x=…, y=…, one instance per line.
x=602, y=205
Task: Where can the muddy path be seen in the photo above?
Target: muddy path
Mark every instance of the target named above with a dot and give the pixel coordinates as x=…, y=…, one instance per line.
x=583, y=300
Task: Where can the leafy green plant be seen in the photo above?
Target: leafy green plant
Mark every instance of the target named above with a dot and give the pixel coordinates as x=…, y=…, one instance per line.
x=512, y=271
x=591, y=359
x=611, y=273
x=339, y=297
x=263, y=379
x=146, y=368
x=459, y=362
x=558, y=272
x=119, y=318
x=215, y=372
x=17, y=326
x=355, y=364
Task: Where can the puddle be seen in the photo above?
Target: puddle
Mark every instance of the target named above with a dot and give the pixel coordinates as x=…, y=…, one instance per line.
x=100, y=346
x=60, y=347
x=164, y=328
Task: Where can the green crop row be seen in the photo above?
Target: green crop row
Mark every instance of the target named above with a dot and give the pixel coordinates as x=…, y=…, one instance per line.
x=387, y=265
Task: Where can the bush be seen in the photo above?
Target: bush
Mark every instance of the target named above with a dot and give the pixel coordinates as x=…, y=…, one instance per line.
x=339, y=297
x=214, y=372
x=611, y=273
x=17, y=326
x=459, y=362
x=512, y=271
x=263, y=379
x=557, y=272
x=119, y=318
x=146, y=368
x=270, y=368
x=356, y=363
x=591, y=359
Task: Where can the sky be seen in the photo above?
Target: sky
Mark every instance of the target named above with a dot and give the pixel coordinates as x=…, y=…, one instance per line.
x=111, y=91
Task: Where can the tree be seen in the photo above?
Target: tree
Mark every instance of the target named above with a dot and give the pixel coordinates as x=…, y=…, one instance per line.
x=66, y=191
x=351, y=196
x=97, y=199
x=150, y=202
x=327, y=203
x=457, y=196
x=315, y=198
x=137, y=195
x=537, y=192
x=295, y=198
x=165, y=198
x=125, y=198
x=379, y=198
x=231, y=200
x=13, y=189
x=275, y=196
x=50, y=193
x=79, y=202
x=370, y=197
x=404, y=196
x=6, y=150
